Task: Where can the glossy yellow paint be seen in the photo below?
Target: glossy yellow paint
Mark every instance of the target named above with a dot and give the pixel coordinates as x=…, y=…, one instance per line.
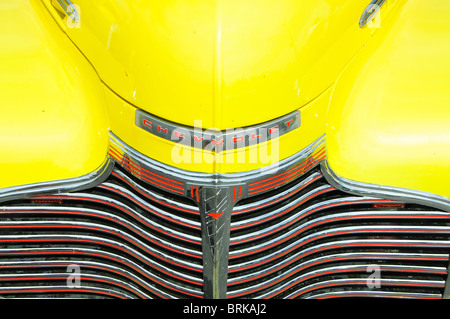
x=380, y=95
x=316, y=68
x=122, y=116
x=228, y=63
x=53, y=120
x=389, y=121
x=217, y=63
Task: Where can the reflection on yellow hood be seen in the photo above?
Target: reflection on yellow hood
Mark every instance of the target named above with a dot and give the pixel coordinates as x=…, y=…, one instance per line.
x=227, y=63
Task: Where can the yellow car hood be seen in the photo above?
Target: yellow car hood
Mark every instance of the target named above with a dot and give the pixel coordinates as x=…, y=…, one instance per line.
x=227, y=63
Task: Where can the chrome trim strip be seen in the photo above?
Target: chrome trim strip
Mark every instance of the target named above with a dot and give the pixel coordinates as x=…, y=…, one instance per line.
x=326, y=258
x=350, y=215
x=150, y=208
x=339, y=230
x=207, y=179
x=149, y=194
x=370, y=12
x=59, y=186
x=86, y=263
x=161, y=168
x=170, y=287
x=335, y=243
x=303, y=213
x=90, y=238
x=60, y=289
x=125, y=209
x=374, y=293
x=269, y=215
x=340, y=269
x=381, y=191
x=363, y=282
x=89, y=277
x=69, y=9
x=271, y=200
x=99, y=227
x=108, y=217
x=446, y=294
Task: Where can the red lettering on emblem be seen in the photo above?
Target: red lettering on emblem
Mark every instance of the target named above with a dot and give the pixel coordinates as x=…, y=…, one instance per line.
x=215, y=142
x=254, y=136
x=238, y=139
x=147, y=123
x=178, y=134
x=162, y=129
x=198, y=139
x=288, y=123
x=273, y=129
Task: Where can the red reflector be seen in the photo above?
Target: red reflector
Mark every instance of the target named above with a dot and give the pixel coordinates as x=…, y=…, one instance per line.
x=46, y=201
x=393, y=205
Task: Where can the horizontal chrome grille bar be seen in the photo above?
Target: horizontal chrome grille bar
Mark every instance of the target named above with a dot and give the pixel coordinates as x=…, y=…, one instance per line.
x=276, y=212
x=330, y=245
x=87, y=289
x=288, y=280
x=124, y=235
x=373, y=294
x=30, y=278
x=100, y=241
x=104, y=261
x=154, y=196
x=282, y=269
x=293, y=245
x=271, y=200
x=134, y=227
x=159, y=227
x=363, y=283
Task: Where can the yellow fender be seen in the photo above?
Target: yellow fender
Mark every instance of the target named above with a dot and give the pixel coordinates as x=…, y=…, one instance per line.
x=54, y=122
x=389, y=116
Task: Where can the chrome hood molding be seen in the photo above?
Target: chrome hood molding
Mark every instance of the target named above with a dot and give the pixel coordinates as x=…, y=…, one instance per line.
x=387, y=192
x=60, y=186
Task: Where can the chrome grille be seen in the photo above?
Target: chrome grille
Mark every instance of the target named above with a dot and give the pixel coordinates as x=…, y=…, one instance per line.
x=129, y=239
x=148, y=230
x=309, y=240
